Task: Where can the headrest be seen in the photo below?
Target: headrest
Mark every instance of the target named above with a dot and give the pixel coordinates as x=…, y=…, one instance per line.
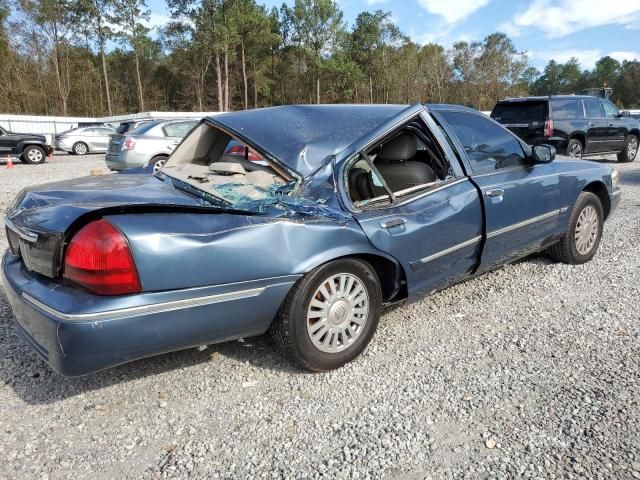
x=227, y=168
x=403, y=147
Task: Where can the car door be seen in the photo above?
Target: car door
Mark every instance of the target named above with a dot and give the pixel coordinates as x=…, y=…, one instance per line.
x=615, y=125
x=175, y=132
x=103, y=135
x=435, y=232
x=597, y=126
x=521, y=199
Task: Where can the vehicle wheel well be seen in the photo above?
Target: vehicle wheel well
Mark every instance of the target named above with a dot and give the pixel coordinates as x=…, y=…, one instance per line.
x=393, y=280
x=599, y=189
x=635, y=132
x=580, y=137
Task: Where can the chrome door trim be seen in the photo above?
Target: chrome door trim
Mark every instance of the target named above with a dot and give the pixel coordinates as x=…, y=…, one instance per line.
x=455, y=248
x=524, y=223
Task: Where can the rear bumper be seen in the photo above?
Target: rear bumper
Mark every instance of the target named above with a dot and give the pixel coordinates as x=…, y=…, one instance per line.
x=99, y=335
x=124, y=160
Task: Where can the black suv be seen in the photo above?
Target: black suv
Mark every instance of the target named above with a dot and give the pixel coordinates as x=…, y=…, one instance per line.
x=29, y=147
x=577, y=125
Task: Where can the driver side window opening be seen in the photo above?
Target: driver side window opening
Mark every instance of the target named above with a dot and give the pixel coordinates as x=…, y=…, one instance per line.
x=404, y=163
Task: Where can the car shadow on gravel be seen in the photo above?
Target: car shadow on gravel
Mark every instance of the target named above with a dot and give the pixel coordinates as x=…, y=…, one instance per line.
x=36, y=383
x=630, y=178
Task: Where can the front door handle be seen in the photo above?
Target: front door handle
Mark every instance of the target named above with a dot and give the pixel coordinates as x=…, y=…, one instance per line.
x=394, y=222
x=496, y=192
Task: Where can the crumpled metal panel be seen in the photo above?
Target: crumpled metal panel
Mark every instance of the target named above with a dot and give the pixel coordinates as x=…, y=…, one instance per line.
x=303, y=137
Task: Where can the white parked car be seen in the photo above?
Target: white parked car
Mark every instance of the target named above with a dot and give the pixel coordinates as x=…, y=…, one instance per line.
x=84, y=140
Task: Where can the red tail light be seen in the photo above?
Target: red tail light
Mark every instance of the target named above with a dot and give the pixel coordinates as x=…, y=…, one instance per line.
x=98, y=259
x=129, y=143
x=239, y=150
x=548, y=128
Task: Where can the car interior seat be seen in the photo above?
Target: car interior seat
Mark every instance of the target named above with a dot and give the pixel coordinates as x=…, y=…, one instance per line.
x=396, y=167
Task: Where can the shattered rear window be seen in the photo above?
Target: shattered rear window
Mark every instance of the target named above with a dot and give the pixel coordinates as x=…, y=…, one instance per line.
x=223, y=167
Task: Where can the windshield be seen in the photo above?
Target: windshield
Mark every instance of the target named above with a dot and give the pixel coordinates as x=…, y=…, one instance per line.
x=226, y=170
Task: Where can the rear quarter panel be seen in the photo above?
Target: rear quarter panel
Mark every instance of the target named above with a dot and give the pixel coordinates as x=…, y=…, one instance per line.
x=575, y=176
x=183, y=250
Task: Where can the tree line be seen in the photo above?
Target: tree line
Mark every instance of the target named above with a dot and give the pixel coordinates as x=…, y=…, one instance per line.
x=99, y=57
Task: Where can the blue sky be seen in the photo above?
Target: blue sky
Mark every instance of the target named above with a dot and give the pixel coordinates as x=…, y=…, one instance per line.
x=545, y=29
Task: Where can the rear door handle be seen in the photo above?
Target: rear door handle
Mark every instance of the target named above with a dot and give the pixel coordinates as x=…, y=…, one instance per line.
x=496, y=192
x=394, y=222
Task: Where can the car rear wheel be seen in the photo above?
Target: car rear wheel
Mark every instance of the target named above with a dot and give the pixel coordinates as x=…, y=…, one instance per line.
x=80, y=148
x=158, y=163
x=574, y=148
x=630, y=150
x=34, y=154
x=580, y=242
x=330, y=315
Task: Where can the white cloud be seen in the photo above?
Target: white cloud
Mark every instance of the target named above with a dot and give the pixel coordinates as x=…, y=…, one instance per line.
x=452, y=11
x=561, y=17
x=157, y=20
x=587, y=58
x=375, y=2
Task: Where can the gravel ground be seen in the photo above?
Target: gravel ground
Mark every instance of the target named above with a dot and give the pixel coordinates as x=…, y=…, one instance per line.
x=530, y=371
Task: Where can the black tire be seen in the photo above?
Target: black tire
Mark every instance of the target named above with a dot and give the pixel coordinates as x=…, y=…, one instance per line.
x=80, y=148
x=33, y=155
x=566, y=249
x=289, y=329
x=628, y=154
x=158, y=162
x=575, y=149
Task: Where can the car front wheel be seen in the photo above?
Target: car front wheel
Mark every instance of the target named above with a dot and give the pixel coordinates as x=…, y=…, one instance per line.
x=330, y=315
x=580, y=242
x=80, y=148
x=34, y=155
x=630, y=150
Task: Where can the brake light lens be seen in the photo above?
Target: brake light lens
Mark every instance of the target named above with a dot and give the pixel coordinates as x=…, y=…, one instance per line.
x=548, y=128
x=240, y=151
x=99, y=260
x=129, y=143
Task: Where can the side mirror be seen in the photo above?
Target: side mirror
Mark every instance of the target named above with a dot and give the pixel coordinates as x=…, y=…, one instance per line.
x=625, y=113
x=544, y=153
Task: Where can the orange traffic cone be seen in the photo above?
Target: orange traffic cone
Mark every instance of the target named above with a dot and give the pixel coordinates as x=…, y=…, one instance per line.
x=9, y=162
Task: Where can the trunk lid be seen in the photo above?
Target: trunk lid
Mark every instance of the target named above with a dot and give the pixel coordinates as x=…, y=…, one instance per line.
x=115, y=144
x=40, y=217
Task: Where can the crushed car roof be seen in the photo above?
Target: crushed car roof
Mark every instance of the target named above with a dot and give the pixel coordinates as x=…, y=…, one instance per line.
x=303, y=136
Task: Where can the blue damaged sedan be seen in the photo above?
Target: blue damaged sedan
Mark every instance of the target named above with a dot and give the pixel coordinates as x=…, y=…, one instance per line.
x=348, y=210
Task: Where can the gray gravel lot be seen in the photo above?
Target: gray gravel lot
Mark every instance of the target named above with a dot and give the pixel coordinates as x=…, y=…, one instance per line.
x=530, y=371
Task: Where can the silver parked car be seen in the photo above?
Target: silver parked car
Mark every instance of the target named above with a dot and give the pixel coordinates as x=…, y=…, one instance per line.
x=84, y=140
x=148, y=145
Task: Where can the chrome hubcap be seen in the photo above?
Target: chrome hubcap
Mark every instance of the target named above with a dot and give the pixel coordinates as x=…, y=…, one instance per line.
x=158, y=165
x=632, y=148
x=337, y=313
x=34, y=155
x=81, y=149
x=587, y=230
x=575, y=150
